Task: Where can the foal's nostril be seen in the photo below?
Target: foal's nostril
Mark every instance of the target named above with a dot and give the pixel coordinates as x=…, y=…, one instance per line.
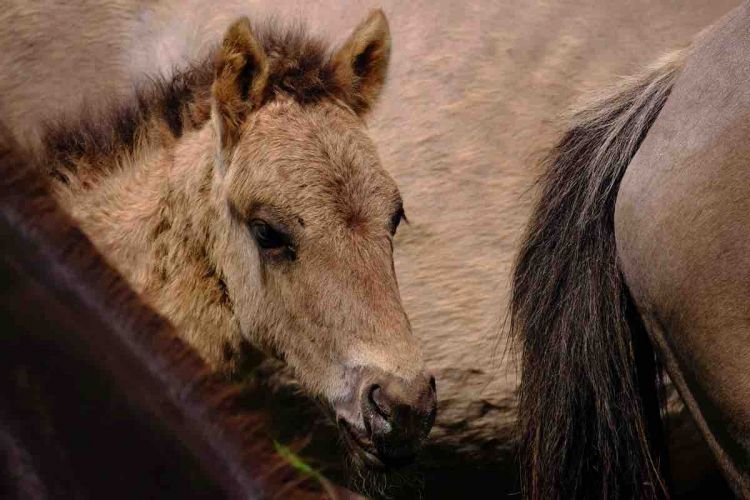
x=379, y=402
x=432, y=383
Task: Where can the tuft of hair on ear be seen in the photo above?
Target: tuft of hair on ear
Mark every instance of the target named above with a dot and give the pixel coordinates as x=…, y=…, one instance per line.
x=241, y=75
x=361, y=64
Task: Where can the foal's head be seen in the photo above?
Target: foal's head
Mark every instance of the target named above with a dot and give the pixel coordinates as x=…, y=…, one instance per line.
x=305, y=236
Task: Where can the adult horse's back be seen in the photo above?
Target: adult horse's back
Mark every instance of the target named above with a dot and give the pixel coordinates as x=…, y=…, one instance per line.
x=662, y=246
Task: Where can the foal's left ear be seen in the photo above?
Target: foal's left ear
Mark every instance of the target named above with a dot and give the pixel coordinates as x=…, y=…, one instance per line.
x=240, y=80
x=362, y=62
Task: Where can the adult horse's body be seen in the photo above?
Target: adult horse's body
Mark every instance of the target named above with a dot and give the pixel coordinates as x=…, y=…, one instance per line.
x=245, y=202
x=620, y=241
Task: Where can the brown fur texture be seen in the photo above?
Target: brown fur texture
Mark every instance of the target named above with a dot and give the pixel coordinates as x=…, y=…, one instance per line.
x=587, y=387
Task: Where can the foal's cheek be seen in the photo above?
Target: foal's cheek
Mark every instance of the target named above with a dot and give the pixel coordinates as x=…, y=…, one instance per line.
x=237, y=257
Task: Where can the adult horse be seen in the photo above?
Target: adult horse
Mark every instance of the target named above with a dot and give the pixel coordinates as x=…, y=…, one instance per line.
x=244, y=201
x=627, y=247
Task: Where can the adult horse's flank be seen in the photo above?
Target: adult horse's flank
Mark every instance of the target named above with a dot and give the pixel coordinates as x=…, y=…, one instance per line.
x=244, y=200
x=622, y=247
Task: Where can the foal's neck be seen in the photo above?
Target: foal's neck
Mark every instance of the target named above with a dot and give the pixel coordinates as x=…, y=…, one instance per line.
x=153, y=219
x=138, y=180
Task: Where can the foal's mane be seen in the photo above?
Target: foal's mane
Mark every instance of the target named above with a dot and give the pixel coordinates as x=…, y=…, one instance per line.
x=162, y=109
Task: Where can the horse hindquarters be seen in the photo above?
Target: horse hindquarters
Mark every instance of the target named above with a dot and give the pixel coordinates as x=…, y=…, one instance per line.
x=687, y=270
x=581, y=409
x=682, y=229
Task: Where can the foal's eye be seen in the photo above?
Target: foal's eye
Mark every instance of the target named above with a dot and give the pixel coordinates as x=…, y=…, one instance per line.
x=267, y=236
x=396, y=219
x=271, y=240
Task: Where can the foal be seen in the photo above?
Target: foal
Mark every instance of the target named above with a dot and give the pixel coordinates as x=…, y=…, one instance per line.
x=246, y=203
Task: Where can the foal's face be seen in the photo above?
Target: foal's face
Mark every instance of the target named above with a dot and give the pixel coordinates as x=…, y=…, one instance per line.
x=312, y=217
x=307, y=233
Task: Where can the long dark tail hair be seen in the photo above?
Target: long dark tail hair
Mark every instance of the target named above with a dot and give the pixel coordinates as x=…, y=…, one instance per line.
x=587, y=379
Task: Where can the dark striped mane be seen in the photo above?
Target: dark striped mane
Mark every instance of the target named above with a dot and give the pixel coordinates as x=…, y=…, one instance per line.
x=162, y=109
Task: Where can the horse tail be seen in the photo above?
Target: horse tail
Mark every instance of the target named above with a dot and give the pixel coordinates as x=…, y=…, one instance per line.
x=585, y=431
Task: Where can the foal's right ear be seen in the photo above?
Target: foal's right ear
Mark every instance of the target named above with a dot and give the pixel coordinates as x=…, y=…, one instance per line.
x=362, y=62
x=241, y=74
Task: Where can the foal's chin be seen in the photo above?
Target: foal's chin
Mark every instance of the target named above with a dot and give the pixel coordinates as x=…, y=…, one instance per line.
x=362, y=453
x=367, y=471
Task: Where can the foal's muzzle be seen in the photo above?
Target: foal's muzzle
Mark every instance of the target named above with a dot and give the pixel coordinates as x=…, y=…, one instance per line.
x=397, y=416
